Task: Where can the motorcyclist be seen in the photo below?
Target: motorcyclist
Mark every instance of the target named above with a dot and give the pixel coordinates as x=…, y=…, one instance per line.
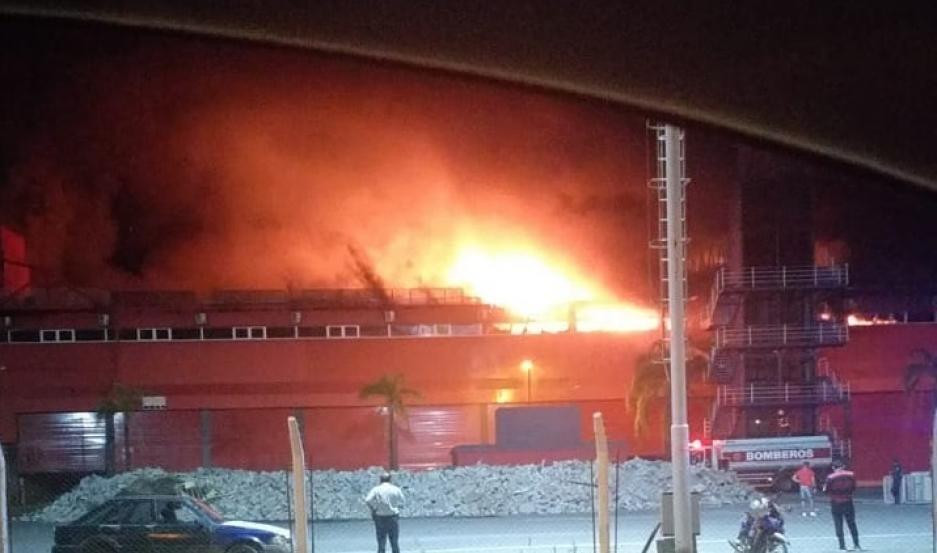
x=761, y=521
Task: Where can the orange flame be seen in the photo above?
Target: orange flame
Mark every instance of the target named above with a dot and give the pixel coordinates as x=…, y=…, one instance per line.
x=547, y=292
x=855, y=319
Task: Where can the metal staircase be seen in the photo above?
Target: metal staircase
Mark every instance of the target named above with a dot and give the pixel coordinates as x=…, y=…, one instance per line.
x=730, y=287
x=737, y=345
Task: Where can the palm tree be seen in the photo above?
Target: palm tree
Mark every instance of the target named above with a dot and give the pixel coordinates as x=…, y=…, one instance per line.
x=652, y=380
x=393, y=392
x=119, y=399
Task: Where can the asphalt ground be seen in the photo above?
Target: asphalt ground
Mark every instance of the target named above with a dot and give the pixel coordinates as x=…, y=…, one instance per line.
x=882, y=528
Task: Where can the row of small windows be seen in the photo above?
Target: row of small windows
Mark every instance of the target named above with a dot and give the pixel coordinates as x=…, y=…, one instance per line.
x=160, y=334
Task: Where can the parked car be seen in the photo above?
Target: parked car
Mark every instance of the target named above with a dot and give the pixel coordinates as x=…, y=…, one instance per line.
x=165, y=524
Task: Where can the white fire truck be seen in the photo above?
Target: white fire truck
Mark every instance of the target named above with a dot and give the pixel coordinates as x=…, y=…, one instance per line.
x=771, y=462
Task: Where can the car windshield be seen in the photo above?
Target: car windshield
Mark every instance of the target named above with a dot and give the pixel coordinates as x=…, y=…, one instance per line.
x=295, y=283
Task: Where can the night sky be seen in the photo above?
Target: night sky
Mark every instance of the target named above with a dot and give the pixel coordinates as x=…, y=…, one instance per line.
x=135, y=159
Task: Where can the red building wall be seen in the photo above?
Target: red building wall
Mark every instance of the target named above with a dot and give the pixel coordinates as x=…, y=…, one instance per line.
x=169, y=439
x=293, y=374
x=885, y=422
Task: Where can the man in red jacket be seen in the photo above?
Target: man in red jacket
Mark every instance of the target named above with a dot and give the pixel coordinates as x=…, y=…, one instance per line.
x=840, y=485
x=807, y=479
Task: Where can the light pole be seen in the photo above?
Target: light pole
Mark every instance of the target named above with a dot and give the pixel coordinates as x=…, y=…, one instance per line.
x=676, y=253
x=527, y=366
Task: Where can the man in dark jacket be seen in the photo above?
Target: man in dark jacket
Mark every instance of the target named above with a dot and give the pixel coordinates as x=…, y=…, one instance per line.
x=840, y=485
x=896, y=475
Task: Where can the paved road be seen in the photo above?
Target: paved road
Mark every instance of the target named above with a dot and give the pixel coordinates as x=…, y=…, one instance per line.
x=884, y=529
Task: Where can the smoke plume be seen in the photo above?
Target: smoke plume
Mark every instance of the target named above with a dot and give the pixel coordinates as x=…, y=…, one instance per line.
x=167, y=162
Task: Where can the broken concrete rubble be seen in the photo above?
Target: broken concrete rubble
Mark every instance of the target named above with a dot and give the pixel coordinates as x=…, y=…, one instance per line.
x=480, y=490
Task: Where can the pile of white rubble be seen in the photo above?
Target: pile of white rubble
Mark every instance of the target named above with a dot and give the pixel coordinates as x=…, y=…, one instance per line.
x=479, y=490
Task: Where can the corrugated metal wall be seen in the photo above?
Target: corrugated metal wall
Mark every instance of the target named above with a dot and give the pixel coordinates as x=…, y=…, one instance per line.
x=61, y=442
x=257, y=439
x=432, y=432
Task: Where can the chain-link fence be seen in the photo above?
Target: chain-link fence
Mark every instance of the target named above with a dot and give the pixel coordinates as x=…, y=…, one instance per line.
x=546, y=507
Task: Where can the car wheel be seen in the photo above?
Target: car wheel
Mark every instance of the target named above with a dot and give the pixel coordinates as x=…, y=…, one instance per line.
x=243, y=548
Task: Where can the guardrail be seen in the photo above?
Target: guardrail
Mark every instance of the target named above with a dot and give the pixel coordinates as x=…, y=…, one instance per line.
x=782, y=336
x=797, y=277
x=821, y=392
x=79, y=298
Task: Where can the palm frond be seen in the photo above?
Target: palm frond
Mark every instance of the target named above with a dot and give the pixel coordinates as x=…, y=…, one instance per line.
x=652, y=377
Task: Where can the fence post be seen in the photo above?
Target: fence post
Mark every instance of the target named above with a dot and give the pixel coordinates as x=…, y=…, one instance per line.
x=933, y=483
x=4, y=515
x=300, y=535
x=601, y=480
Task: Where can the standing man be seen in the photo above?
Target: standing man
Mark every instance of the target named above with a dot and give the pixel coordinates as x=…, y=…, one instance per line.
x=840, y=485
x=385, y=501
x=807, y=480
x=896, y=475
x=784, y=423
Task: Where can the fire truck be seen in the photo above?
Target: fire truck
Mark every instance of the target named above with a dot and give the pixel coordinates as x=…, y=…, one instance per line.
x=771, y=462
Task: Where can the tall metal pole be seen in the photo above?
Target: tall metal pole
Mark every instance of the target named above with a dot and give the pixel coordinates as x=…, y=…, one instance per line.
x=679, y=429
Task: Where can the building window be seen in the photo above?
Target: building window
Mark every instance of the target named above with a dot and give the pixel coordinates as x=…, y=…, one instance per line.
x=24, y=336
x=153, y=334
x=218, y=333
x=443, y=330
x=250, y=332
x=343, y=331
x=63, y=335
x=186, y=333
x=404, y=330
x=374, y=331
x=281, y=332
x=91, y=335
x=312, y=332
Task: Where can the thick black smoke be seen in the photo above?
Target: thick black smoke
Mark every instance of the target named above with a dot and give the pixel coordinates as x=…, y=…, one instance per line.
x=146, y=160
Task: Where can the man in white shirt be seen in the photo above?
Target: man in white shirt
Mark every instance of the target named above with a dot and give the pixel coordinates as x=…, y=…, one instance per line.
x=385, y=501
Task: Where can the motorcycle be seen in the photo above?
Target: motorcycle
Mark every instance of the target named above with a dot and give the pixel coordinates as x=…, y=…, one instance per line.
x=762, y=530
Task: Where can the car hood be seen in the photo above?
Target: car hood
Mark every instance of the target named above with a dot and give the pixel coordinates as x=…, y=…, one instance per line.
x=256, y=527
